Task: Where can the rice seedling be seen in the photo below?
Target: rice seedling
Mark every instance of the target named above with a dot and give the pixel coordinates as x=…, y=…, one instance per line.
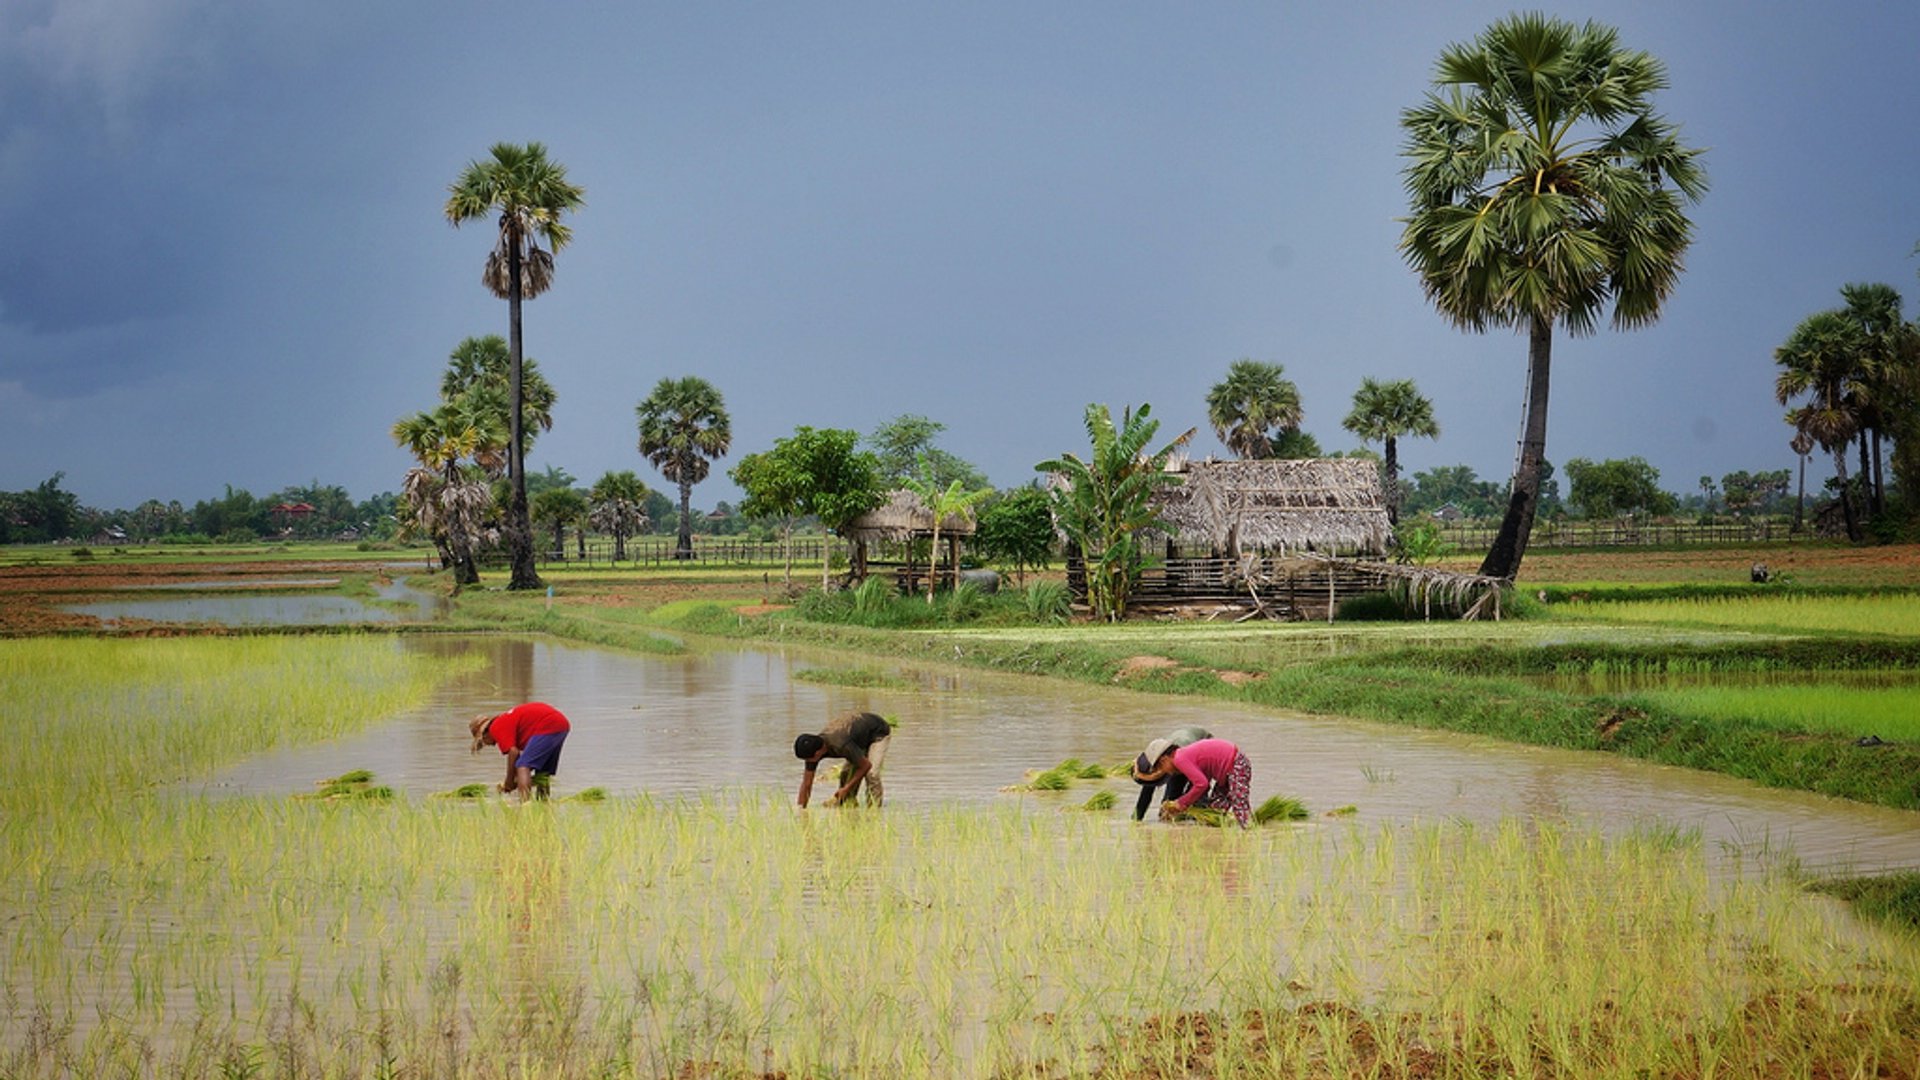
x=1280, y=808
x=468, y=791
x=1050, y=780
x=1100, y=800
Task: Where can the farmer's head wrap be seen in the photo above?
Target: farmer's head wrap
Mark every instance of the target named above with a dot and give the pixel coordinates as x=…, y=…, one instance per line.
x=477, y=727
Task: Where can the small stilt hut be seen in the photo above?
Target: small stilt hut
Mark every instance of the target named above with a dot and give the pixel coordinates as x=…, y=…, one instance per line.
x=1286, y=539
x=883, y=540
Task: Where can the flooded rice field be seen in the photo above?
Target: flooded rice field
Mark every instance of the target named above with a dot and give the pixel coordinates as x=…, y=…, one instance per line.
x=722, y=720
x=278, y=609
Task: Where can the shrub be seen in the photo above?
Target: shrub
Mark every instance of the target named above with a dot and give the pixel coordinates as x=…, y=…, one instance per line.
x=1047, y=601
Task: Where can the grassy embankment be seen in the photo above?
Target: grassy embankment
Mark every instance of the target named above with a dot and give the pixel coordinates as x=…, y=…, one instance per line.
x=149, y=931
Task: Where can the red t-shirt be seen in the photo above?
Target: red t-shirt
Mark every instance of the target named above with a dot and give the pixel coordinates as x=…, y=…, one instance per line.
x=512, y=729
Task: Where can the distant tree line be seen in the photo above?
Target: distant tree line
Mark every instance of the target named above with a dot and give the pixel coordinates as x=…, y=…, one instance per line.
x=49, y=514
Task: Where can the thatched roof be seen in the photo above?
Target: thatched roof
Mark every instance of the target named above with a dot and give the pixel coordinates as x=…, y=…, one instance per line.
x=1326, y=504
x=903, y=517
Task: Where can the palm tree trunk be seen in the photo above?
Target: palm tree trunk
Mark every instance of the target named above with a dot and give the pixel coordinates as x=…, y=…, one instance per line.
x=1879, y=487
x=1800, y=505
x=519, y=529
x=1846, y=503
x=1510, y=545
x=684, y=549
x=1393, y=483
x=1866, y=478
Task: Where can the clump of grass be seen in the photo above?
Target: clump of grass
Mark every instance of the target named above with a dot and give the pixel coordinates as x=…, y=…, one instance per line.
x=1343, y=811
x=1279, y=808
x=1047, y=601
x=1101, y=800
x=857, y=677
x=1889, y=898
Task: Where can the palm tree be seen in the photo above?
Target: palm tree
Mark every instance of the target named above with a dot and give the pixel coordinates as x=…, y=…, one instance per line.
x=1821, y=361
x=447, y=499
x=1253, y=400
x=1384, y=411
x=529, y=193
x=683, y=426
x=559, y=507
x=1107, y=500
x=618, y=505
x=1543, y=189
x=1886, y=340
x=483, y=367
x=1802, y=445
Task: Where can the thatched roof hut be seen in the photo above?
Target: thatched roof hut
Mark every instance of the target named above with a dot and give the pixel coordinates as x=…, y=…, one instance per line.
x=904, y=517
x=1328, y=505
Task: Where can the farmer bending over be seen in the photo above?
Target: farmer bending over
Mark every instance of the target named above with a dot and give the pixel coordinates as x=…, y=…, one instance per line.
x=1176, y=782
x=1221, y=776
x=531, y=736
x=861, y=739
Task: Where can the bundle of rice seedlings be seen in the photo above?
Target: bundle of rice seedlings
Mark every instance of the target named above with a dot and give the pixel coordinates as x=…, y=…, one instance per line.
x=1051, y=780
x=1101, y=800
x=466, y=791
x=592, y=794
x=1279, y=808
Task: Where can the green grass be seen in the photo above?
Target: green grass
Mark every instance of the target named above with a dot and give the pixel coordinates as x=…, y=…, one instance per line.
x=1876, y=613
x=1890, y=713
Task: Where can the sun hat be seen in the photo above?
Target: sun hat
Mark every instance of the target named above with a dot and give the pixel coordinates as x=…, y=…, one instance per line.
x=477, y=727
x=1152, y=757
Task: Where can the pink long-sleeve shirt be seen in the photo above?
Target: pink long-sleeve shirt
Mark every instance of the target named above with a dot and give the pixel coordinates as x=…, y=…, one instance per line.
x=1205, y=762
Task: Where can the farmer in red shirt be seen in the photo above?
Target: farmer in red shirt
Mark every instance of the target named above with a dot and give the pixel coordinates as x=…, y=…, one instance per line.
x=531, y=736
x=1220, y=775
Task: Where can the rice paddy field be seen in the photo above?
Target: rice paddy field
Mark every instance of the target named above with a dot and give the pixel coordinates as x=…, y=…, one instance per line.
x=151, y=925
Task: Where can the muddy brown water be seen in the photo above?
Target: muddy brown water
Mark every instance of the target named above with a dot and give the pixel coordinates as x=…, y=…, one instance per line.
x=721, y=719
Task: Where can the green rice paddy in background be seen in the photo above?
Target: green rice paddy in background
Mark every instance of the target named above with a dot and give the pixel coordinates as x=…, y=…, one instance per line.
x=1896, y=614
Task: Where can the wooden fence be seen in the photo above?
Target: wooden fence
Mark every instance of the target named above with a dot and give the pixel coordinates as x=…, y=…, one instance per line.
x=659, y=551
x=1478, y=536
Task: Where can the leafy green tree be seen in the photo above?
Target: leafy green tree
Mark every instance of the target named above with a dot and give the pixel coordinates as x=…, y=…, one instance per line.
x=1820, y=364
x=1106, y=501
x=1616, y=488
x=1543, y=189
x=557, y=508
x=943, y=502
x=529, y=194
x=904, y=448
x=683, y=427
x=811, y=472
x=618, y=506
x=1456, y=484
x=1253, y=400
x=1016, y=530
x=1383, y=412
x=40, y=515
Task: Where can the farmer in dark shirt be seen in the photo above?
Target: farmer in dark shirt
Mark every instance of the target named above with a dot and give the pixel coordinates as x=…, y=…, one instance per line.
x=1149, y=778
x=861, y=740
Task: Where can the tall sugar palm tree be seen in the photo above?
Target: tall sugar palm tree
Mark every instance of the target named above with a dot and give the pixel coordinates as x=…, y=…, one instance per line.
x=1820, y=362
x=529, y=194
x=1253, y=402
x=1383, y=412
x=683, y=427
x=1544, y=189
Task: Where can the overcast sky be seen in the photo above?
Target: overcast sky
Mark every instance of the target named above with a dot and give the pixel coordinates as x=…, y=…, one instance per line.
x=228, y=265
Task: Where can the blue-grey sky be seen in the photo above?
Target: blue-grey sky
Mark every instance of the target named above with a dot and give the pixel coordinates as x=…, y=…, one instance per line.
x=228, y=263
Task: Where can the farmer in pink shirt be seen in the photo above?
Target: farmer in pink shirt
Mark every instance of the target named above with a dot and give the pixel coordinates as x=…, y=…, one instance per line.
x=1220, y=775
